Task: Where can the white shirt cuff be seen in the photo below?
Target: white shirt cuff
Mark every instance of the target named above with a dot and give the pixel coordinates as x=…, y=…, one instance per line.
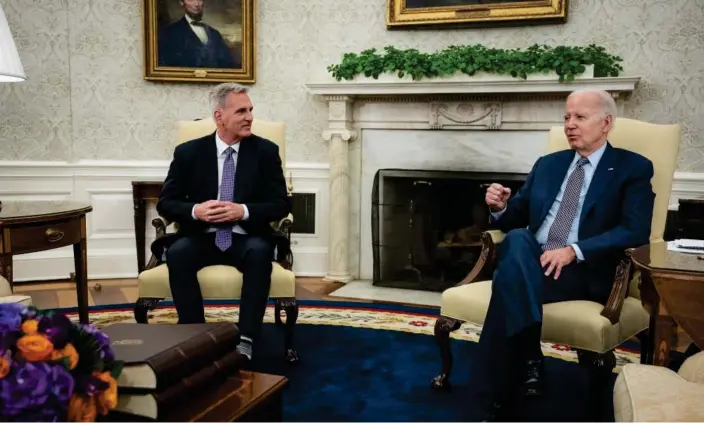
x=193, y=212
x=246, y=212
x=577, y=252
x=496, y=215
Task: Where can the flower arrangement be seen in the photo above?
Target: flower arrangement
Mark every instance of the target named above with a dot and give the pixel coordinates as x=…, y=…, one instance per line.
x=52, y=369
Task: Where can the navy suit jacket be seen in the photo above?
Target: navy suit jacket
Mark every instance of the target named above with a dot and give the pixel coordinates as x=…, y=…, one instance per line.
x=617, y=212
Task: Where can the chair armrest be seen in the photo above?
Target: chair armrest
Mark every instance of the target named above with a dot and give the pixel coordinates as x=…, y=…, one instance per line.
x=619, y=289
x=160, y=224
x=283, y=224
x=692, y=369
x=488, y=255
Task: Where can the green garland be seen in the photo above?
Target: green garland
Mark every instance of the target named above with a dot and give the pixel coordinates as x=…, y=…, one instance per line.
x=566, y=61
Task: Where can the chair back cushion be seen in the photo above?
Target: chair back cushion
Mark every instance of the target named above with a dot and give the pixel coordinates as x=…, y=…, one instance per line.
x=187, y=130
x=659, y=143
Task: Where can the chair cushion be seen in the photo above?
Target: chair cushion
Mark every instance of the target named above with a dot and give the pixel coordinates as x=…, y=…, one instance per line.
x=655, y=393
x=24, y=299
x=216, y=282
x=578, y=324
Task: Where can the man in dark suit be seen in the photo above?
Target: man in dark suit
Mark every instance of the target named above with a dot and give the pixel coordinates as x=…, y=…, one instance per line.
x=223, y=190
x=189, y=42
x=567, y=229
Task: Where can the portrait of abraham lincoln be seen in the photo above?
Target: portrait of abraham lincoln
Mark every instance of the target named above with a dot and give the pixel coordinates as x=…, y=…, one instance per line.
x=200, y=39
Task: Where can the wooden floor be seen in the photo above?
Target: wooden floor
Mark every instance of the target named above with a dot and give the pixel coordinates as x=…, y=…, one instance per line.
x=61, y=294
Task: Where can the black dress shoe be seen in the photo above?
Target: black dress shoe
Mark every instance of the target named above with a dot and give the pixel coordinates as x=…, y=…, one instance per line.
x=495, y=413
x=533, y=380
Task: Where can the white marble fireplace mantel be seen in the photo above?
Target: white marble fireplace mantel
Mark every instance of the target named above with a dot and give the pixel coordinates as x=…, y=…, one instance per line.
x=478, y=124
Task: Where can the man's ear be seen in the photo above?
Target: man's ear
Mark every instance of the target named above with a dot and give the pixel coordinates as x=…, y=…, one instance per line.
x=217, y=116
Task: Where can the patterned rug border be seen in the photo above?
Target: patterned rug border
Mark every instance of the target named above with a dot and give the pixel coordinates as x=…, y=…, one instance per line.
x=395, y=317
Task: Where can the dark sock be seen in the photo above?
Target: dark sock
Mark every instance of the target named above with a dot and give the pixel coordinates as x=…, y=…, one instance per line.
x=528, y=343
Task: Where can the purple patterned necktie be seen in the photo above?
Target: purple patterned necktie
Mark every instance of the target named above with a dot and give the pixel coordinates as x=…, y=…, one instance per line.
x=223, y=234
x=560, y=229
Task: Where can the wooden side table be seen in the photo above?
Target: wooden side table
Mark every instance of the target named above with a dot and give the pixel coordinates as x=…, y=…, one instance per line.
x=672, y=290
x=143, y=191
x=32, y=226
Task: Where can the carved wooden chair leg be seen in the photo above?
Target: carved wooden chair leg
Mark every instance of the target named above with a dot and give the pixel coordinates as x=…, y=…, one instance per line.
x=600, y=368
x=277, y=312
x=646, y=347
x=291, y=307
x=142, y=308
x=443, y=327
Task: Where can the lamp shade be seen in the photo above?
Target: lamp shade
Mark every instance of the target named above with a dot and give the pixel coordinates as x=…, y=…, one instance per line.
x=11, y=69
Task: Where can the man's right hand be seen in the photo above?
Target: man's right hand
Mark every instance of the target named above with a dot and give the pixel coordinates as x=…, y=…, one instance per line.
x=496, y=197
x=201, y=210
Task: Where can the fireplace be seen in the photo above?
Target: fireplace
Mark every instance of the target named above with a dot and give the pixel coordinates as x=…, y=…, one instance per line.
x=426, y=225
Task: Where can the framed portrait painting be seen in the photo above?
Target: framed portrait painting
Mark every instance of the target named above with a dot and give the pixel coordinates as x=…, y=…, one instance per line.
x=200, y=40
x=425, y=13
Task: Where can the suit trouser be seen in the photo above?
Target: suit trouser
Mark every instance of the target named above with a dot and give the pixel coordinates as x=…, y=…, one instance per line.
x=251, y=255
x=519, y=290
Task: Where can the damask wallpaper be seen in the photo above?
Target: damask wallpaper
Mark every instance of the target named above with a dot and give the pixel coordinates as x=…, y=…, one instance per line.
x=85, y=97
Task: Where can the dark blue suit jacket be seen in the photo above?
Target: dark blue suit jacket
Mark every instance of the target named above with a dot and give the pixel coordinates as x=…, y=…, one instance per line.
x=617, y=212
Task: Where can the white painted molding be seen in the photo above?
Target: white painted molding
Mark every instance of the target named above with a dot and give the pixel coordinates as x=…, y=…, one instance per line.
x=106, y=185
x=399, y=87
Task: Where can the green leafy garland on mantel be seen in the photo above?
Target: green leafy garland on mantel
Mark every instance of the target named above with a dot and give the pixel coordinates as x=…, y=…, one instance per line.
x=566, y=61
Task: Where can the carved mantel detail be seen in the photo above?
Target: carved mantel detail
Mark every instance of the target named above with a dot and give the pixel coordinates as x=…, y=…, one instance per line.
x=464, y=115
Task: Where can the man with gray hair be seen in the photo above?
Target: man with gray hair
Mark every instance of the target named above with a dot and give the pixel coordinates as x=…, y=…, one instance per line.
x=566, y=231
x=223, y=190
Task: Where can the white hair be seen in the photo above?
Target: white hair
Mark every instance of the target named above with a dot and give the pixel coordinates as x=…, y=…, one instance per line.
x=606, y=100
x=218, y=95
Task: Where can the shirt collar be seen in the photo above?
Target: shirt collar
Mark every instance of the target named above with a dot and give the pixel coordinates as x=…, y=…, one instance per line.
x=593, y=158
x=222, y=146
x=190, y=20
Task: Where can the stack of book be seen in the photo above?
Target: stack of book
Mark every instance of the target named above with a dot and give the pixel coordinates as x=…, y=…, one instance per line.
x=166, y=363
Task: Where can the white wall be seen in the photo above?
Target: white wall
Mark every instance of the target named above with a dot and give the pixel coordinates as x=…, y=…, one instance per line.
x=107, y=187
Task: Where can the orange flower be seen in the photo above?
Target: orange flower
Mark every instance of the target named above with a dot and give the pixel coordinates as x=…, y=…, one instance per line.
x=68, y=351
x=35, y=347
x=4, y=366
x=30, y=327
x=108, y=398
x=82, y=409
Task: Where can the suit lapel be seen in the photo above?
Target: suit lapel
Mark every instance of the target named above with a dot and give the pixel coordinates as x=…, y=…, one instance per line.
x=602, y=177
x=557, y=176
x=245, y=168
x=210, y=166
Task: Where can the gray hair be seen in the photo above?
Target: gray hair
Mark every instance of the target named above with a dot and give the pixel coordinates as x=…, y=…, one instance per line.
x=607, y=102
x=218, y=95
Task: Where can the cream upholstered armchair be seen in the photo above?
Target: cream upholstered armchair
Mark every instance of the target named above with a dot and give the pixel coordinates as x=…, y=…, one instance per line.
x=645, y=393
x=6, y=295
x=591, y=329
x=225, y=282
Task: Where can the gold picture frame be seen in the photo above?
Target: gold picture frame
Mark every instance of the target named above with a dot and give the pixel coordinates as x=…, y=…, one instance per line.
x=425, y=13
x=200, y=40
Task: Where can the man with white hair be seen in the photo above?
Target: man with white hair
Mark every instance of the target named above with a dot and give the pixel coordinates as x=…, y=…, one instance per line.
x=223, y=190
x=567, y=229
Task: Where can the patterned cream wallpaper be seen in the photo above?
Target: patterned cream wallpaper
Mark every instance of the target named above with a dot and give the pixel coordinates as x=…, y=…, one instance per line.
x=85, y=97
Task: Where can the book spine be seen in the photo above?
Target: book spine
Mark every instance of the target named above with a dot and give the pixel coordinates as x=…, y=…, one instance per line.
x=200, y=351
x=211, y=375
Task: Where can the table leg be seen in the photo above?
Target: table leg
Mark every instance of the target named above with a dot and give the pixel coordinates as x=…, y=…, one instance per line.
x=664, y=337
x=80, y=260
x=140, y=226
x=6, y=267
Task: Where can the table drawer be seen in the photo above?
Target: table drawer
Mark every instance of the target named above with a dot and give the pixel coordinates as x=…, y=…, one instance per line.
x=29, y=239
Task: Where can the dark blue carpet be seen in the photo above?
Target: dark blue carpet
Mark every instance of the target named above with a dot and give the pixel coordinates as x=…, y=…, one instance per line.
x=355, y=374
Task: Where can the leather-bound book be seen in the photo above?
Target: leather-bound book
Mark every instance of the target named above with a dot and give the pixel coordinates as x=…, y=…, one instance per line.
x=154, y=405
x=159, y=355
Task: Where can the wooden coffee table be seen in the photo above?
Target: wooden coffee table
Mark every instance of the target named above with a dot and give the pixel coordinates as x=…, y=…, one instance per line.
x=246, y=396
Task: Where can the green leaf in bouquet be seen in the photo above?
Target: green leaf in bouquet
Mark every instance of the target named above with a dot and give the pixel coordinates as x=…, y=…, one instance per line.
x=116, y=367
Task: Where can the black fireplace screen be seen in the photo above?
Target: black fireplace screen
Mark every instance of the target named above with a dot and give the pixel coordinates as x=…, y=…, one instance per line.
x=426, y=225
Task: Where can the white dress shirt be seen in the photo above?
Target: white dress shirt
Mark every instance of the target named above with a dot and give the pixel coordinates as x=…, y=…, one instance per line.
x=573, y=237
x=221, y=146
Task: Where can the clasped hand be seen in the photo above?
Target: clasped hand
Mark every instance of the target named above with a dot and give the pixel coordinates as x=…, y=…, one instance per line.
x=555, y=260
x=215, y=211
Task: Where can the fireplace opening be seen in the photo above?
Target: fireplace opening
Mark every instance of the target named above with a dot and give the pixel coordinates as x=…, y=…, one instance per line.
x=426, y=225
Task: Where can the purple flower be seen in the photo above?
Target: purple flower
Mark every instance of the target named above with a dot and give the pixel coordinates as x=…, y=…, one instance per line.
x=35, y=386
x=11, y=316
x=57, y=328
x=102, y=340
